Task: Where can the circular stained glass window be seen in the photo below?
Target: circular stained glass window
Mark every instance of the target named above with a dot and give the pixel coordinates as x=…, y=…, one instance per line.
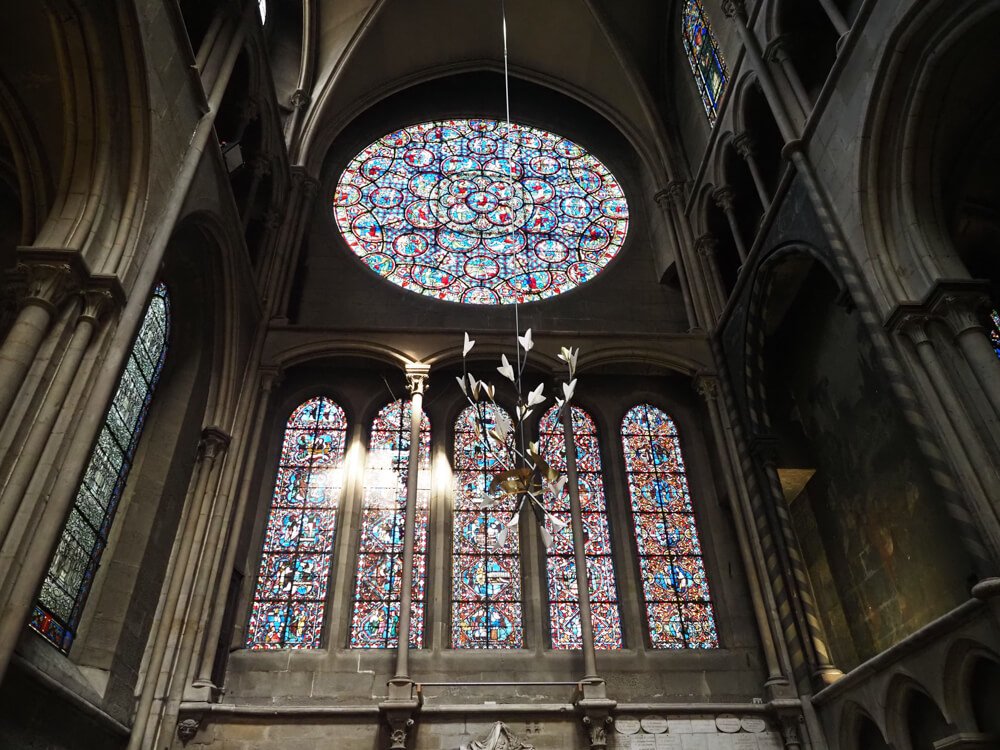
x=469, y=211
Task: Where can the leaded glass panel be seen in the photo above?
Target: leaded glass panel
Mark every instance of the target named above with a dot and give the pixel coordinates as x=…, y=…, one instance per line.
x=486, y=576
x=290, y=595
x=675, y=588
x=564, y=600
x=707, y=63
x=380, y=555
x=67, y=583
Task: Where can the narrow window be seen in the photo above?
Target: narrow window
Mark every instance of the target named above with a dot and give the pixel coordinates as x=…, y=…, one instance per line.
x=678, y=606
x=380, y=556
x=707, y=64
x=564, y=600
x=486, y=585
x=995, y=330
x=290, y=596
x=85, y=536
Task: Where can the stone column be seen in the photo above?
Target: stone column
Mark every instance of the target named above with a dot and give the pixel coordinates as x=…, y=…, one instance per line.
x=707, y=248
x=676, y=194
x=960, y=310
x=47, y=286
x=777, y=52
x=662, y=199
x=745, y=147
x=261, y=166
x=725, y=198
x=835, y=16
x=94, y=303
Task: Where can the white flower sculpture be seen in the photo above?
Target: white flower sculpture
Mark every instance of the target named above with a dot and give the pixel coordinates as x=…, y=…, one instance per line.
x=523, y=473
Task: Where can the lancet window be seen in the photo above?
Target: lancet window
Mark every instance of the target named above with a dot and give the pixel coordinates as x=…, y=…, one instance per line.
x=486, y=582
x=380, y=556
x=707, y=64
x=995, y=330
x=564, y=600
x=60, y=604
x=678, y=606
x=290, y=596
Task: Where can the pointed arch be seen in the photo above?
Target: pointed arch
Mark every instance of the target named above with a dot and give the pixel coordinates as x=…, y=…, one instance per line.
x=290, y=596
x=380, y=551
x=67, y=583
x=486, y=575
x=708, y=66
x=678, y=606
x=564, y=598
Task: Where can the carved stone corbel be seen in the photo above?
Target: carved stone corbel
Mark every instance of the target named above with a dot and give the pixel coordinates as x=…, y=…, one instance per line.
x=187, y=729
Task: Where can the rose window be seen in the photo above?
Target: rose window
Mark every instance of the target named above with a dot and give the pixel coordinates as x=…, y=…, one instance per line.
x=471, y=211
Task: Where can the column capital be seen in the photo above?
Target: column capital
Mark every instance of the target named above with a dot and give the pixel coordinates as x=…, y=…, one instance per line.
x=270, y=377
x=96, y=303
x=707, y=385
x=706, y=245
x=416, y=377
x=914, y=325
x=676, y=191
x=734, y=9
x=777, y=49
x=725, y=198
x=214, y=442
x=961, y=309
x=745, y=146
x=47, y=284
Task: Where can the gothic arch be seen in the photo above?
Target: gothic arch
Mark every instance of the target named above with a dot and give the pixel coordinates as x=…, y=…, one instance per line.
x=958, y=681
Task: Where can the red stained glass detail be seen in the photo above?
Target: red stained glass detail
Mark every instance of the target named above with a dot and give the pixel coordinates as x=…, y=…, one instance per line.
x=674, y=583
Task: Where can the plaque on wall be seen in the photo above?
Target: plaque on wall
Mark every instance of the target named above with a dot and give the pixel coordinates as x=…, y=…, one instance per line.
x=643, y=742
x=627, y=725
x=668, y=742
x=653, y=724
x=728, y=723
x=753, y=724
x=744, y=741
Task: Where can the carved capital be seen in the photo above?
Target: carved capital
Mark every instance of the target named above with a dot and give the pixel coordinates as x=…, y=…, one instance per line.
x=725, y=198
x=706, y=246
x=707, y=386
x=270, y=378
x=187, y=729
x=914, y=326
x=733, y=9
x=416, y=378
x=790, y=731
x=214, y=442
x=47, y=284
x=299, y=98
x=961, y=310
x=597, y=731
x=310, y=187
x=96, y=302
x=745, y=146
x=777, y=50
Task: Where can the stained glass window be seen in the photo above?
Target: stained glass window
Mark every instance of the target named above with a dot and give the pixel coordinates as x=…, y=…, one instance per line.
x=678, y=606
x=469, y=211
x=64, y=592
x=262, y=9
x=486, y=585
x=564, y=600
x=290, y=595
x=380, y=557
x=995, y=331
x=707, y=63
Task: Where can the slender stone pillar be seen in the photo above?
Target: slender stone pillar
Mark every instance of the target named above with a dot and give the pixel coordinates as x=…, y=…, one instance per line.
x=94, y=303
x=401, y=706
x=777, y=52
x=707, y=248
x=961, y=312
x=746, y=148
x=725, y=198
x=835, y=16
x=676, y=194
x=48, y=285
x=662, y=199
x=261, y=168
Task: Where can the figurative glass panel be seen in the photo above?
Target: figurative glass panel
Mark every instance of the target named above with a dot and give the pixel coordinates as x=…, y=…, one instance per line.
x=471, y=211
x=995, y=330
x=71, y=573
x=675, y=588
x=290, y=596
x=486, y=585
x=380, y=556
x=564, y=600
x=707, y=63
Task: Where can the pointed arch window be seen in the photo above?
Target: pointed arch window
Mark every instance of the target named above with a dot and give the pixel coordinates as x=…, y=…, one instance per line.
x=564, y=600
x=60, y=604
x=995, y=330
x=290, y=595
x=380, y=554
x=675, y=588
x=486, y=576
x=707, y=63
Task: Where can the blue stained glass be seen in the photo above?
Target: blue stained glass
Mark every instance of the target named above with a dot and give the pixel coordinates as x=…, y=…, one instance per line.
x=486, y=575
x=480, y=212
x=380, y=555
x=674, y=584
x=995, y=331
x=71, y=572
x=290, y=595
x=707, y=64
x=564, y=600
